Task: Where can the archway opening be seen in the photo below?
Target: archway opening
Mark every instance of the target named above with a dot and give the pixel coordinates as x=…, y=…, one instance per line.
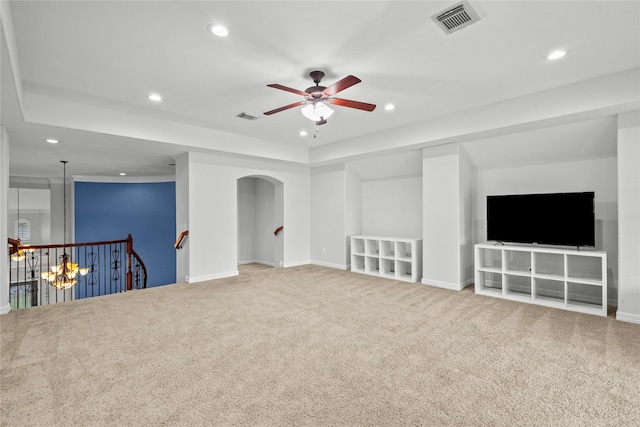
x=260, y=215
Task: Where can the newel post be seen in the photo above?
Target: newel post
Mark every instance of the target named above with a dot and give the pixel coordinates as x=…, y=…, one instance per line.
x=129, y=263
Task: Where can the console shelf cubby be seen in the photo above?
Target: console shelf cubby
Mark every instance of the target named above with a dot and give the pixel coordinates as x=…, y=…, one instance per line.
x=393, y=258
x=561, y=278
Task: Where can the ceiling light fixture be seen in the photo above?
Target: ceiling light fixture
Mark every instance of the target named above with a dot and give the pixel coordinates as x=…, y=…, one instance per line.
x=52, y=141
x=155, y=97
x=317, y=111
x=218, y=30
x=122, y=174
x=63, y=275
x=556, y=54
x=303, y=133
x=389, y=107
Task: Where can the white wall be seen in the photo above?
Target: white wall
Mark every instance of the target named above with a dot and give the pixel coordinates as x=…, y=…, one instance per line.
x=328, y=216
x=466, y=175
x=354, y=209
x=182, y=216
x=5, y=307
x=629, y=217
x=597, y=175
x=246, y=220
x=443, y=220
x=447, y=245
x=213, y=205
x=265, y=222
x=35, y=206
x=392, y=207
x=256, y=221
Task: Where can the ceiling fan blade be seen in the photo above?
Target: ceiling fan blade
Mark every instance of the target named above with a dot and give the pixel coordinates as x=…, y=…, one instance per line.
x=353, y=104
x=286, y=107
x=289, y=89
x=341, y=85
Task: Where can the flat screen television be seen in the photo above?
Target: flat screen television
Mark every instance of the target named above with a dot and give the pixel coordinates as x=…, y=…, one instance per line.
x=566, y=219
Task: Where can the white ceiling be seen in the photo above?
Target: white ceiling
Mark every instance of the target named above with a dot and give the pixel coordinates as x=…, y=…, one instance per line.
x=81, y=71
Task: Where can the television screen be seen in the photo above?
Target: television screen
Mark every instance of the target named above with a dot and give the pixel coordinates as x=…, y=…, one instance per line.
x=566, y=219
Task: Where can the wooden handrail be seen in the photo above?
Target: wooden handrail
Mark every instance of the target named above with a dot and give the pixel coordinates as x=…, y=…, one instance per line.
x=14, y=245
x=69, y=245
x=144, y=268
x=178, y=243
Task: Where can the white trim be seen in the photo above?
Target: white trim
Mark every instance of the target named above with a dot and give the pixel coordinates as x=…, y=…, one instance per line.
x=198, y=279
x=5, y=309
x=296, y=263
x=628, y=317
x=123, y=179
x=257, y=261
x=331, y=265
x=447, y=285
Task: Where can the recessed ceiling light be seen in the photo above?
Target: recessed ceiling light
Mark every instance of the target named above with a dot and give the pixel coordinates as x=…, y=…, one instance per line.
x=556, y=54
x=303, y=133
x=218, y=30
x=122, y=174
x=52, y=141
x=389, y=107
x=155, y=97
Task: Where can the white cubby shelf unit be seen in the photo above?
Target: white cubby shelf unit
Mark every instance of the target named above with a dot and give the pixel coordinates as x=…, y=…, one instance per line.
x=390, y=257
x=562, y=278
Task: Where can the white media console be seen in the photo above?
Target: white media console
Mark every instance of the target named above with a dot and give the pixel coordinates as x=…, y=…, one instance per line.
x=393, y=258
x=561, y=278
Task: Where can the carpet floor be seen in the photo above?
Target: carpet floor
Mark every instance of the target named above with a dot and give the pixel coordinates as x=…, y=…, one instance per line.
x=313, y=346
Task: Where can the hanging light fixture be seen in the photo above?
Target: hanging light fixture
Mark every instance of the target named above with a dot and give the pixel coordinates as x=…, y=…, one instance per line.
x=63, y=275
x=317, y=111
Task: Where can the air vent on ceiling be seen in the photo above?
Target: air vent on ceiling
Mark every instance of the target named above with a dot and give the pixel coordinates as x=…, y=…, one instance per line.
x=456, y=17
x=248, y=116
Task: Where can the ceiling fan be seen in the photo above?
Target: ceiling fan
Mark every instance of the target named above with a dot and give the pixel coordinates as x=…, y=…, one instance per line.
x=316, y=96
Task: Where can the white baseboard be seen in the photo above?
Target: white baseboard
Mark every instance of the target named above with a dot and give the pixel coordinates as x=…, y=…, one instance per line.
x=296, y=263
x=257, y=261
x=5, y=309
x=447, y=285
x=331, y=265
x=628, y=317
x=196, y=279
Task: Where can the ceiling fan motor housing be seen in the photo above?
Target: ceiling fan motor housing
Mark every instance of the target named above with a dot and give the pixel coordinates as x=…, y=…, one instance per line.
x=316, y=76
x=315, y=91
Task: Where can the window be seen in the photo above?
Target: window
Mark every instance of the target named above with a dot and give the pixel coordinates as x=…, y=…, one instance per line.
x=22, y=230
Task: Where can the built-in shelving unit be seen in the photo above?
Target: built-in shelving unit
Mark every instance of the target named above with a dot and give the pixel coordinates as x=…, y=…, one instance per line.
x=561, y=278
x=393, y=258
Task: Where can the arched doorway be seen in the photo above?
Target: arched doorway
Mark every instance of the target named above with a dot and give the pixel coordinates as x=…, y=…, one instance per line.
x=260, y=214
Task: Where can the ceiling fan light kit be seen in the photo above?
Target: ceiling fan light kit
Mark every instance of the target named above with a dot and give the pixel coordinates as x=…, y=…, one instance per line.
x=316, y=111
x=317, y=96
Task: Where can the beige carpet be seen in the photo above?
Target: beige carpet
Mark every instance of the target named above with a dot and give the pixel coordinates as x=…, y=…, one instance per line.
x=311, y=346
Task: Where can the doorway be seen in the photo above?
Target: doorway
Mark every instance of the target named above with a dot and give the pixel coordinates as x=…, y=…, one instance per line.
x=260, y=214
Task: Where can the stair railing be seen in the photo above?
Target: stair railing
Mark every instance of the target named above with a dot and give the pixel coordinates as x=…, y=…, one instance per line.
x=103, y=268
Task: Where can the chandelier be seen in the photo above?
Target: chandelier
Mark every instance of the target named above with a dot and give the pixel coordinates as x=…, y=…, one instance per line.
x=21, y=255
x=63, y=275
